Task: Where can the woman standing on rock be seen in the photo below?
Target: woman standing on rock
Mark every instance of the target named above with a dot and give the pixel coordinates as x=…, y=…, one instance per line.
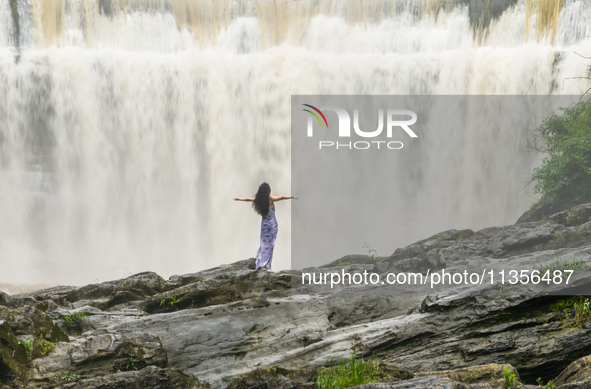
x=263, y=204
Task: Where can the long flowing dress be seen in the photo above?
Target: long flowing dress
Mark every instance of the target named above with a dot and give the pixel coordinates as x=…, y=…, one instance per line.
x=268, y=236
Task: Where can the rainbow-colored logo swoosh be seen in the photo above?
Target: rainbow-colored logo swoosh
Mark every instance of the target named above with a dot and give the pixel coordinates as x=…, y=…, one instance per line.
x=316, y=116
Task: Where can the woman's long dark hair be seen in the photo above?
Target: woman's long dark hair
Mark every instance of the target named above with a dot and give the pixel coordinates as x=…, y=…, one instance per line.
x=262, y=199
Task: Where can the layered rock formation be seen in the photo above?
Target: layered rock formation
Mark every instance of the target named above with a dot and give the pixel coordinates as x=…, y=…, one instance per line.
x=234, y=327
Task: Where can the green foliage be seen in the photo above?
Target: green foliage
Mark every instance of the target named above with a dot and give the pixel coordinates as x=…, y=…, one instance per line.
x=563, y=179
x=29, y=348
x=571, y=235
x=172, y=301
x=44, y=348
x=341, y=263
x=558, y=264
x=69, y=319
x=131, y=365
x=582, y=309
x=371, y=252
x=37, y=348
x=348, y=373
x=576, y=309
x=549, y=385
x=511, y=381
x=68, y=376
x=563, y=305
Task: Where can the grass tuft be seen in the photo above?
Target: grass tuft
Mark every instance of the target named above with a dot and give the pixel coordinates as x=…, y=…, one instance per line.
x=69, y=319
x=574, y=264
x=348, y=373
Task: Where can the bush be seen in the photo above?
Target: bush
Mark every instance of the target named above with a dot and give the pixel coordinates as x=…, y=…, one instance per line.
x=511, y=380
x=563, y=179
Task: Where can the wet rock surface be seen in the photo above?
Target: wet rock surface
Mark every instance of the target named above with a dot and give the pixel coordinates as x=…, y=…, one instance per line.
x=233, y=327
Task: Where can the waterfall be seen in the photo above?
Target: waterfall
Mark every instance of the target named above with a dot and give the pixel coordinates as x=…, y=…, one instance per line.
x=127, y=126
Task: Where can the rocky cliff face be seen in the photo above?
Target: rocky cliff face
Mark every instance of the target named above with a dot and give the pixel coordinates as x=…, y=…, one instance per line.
x=234, y=327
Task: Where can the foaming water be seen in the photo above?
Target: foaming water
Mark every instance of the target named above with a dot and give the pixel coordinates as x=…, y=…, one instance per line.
x=128, y=126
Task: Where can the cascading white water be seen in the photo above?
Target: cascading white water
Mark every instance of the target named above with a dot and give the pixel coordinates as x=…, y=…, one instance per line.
x=127, y=126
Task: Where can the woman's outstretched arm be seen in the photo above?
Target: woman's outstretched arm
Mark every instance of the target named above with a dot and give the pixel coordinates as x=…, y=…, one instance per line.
x=245, y=199
x=279, y=198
